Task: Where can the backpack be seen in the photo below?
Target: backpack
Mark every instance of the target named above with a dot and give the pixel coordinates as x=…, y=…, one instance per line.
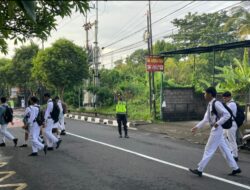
x=8, y=114
x=240, y=115
x=25, y=119
x=55, y=112
x=40, y=117
x=229, y=122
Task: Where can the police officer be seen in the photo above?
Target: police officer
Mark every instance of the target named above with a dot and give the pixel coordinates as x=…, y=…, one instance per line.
x=4, y=124
x=121, y=116
x=32, y=114
x=49, y=124
x=230, y=134
x=216, y=138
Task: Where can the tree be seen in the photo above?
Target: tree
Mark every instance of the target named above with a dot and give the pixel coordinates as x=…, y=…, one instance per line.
x=202, y=30
x=21, y=68
x=236, y=77
x=22, y=19
x=137, y=57
x=5, y=76
x=239, y=19
x=61, y=66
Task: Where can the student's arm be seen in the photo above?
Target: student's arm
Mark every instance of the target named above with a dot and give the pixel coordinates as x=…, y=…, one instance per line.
x=201, y=123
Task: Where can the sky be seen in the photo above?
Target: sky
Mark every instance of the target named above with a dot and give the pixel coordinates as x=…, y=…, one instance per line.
x=121, y=25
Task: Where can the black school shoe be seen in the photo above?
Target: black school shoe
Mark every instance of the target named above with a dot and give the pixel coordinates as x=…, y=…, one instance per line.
x=2, y=145
x=50, y=148
x=15, y=141
x=234, y=172
x=23, y=146
x=196, y=172
x=63, y=132
x=58, y=143
x=33, y=154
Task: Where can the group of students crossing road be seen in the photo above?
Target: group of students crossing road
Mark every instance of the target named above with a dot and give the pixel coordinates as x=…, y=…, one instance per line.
x=48, y=124
x=224, y=120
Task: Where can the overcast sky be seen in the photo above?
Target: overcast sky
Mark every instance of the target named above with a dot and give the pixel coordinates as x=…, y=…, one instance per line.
x=118, y=19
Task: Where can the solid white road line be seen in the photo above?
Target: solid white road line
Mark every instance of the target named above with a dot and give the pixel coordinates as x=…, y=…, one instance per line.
x=160, y=161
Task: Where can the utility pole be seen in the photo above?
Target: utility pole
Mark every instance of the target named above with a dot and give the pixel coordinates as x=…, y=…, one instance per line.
x=151, y=53
x=149, y=73
x=87, y=26
x=96, y=56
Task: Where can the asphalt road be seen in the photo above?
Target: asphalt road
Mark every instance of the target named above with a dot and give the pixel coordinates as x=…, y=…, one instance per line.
x=93, y=157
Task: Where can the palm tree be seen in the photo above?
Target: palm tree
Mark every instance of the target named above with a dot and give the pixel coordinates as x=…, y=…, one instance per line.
x=236, y=78
x=239, y=20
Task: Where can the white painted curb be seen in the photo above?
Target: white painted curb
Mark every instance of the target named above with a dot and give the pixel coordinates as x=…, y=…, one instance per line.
x=97, y=120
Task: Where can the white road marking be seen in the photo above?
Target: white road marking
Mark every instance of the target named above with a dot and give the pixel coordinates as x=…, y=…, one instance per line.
x=6, y=174
x=161, y=161
x=19, y=186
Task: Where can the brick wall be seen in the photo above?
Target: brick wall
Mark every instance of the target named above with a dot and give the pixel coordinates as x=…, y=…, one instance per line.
x=183, y=104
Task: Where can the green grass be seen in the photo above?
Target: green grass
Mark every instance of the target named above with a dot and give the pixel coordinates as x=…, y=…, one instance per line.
x=136, y=111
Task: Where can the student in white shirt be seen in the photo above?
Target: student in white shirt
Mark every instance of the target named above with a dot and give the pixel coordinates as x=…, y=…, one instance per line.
x=34, y=129
x=216, y=138
x=230, y=134
x=49, y=124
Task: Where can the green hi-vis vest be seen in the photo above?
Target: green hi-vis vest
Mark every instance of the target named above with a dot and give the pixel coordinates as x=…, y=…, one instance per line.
x=11, y=103
x=121, y=107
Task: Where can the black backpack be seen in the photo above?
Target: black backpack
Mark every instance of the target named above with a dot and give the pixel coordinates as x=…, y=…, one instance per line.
x=8, y=114
x=229, y=122
x=40, y=117
x=240, y=115
x=55, y=112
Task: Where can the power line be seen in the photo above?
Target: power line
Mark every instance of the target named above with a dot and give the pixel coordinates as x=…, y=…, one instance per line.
x=128, y=47
x=132, y=34
x=172, y=13
x=125, y=26
x=165, y=9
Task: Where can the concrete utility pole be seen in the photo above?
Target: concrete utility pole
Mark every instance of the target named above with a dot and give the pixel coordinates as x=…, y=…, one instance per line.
x=147, y=36
x=151, y=53
x=87, y=26
x=96, y=55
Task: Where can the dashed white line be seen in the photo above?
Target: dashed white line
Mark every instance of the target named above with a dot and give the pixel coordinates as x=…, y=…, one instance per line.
x=161, y=161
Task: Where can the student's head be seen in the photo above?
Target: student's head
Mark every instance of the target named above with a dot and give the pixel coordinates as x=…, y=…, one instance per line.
x=29, y=102
x=119, y=96
x=3, y=100
x=57, y=98
x=46, y=96
x=33, y=100
x=226, y=96
x=210, y=93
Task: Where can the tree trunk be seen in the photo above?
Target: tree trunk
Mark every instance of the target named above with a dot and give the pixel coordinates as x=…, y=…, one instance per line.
x=61, y=92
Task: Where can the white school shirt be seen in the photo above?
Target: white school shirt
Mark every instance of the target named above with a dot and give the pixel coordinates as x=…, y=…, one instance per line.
x=232, y=105
x=32, y=112
x=59, y=103
x=209, y=117
x=48, y=110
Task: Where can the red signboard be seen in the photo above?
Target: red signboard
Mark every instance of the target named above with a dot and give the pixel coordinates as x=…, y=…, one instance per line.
x=154, y=63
